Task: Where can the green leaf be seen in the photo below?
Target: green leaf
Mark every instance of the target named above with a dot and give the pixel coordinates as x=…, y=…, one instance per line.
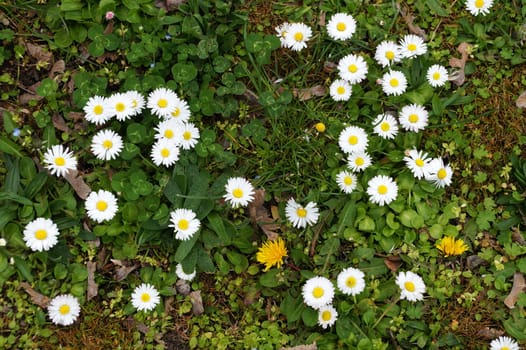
x=47, y=88
x=269, y=279
x=347, y=217
x=9, y=147
x=309, y=317
x=292, y=308
x=204, y=261
x=10, y=196
x=36, y=185
x=185, y=247
x=436, y=8
x=215, y=222
x=23, y=268
x=184, y=72
x=191, y=26
x=421, y=95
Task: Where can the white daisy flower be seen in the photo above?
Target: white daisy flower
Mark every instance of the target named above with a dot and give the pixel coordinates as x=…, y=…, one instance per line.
x=382, y=190
x=346, y=181
x=353, y=139
x=137, y=100
x=341, y=26
x=317, y=292
x=164, y=152
x=183, y=275
x=239, y=192
x=438, y=173
x=181, y=111
x=412, y=286
x=145, y=297
x=167, y=129
x=41, y=234
x=63, y=309
x=106, y=145
x=479, y=7
x=101, y=205
x=394, y=83
x=504, y=343
x=352, y=68
x=327, y=315
x=437, y=75
x=386, y=126
x=120, y=105
x=185, y=223
x=161, y=102
x=59, y=160
x=387, y=53
x=351, y=281
x=340, y=90
x=301, y=216
x=417, y=162
x=282, y=31
x=186, y=135
x=359, y=161
x=413, y=117
x=97, y=110
x=297, y=36
x=412, y=45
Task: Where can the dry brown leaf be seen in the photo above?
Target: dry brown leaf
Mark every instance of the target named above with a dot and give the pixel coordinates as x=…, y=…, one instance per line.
x=519, y=285
x=459, y=77
x=93, y=288
x=183, y=287
x=521, y=100
x=409, y=20
x=39, y=53
x=77, y=182
x=308, y=93
x=489, y=333
x=169, y=5
x=321, y=20
x=109, y=28
x=312, y=346
x=260, y=217
x=123, y=270
x=26, y=97
x=474, y=261
x=393, y=262
x=36, y=297
x=59, y=123
x=197, y=302
x=58, y=69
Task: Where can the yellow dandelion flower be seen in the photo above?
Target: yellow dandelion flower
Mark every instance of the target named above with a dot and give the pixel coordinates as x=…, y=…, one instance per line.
x=450, y=246
x=272, y=253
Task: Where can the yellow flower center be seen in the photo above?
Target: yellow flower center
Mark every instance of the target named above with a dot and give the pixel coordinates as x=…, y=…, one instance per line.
x=419, y=162
x=411, y=47
x=359, y=161
x=504, y=348
x=479, y=4
x=98, y=109
x=162, y=103
x=120, y=107
x=394, y=82
x=168, y=134
x=409, y=286
x=341, y=26
x=183, y=224
x=441, y=174
x=320, y=127
x=352, y=68
x=40, y=234
x=298, y=36
x=347, y=180
x=238, y=193
x=413, y=118
x=436, y=76
x=165, y=152
x=390, y=55
x=107, y=144
x=340, y=90
x=134, y=103
x=176, y=112
x=145, y=297
x=60, y=161
x=351, y=282
x=382, y=189
x=317, y=292
x=326, y=315
x=102, y=205
x=64, y=309
x=353, y=140
x=187, y=135
x=301, y=212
